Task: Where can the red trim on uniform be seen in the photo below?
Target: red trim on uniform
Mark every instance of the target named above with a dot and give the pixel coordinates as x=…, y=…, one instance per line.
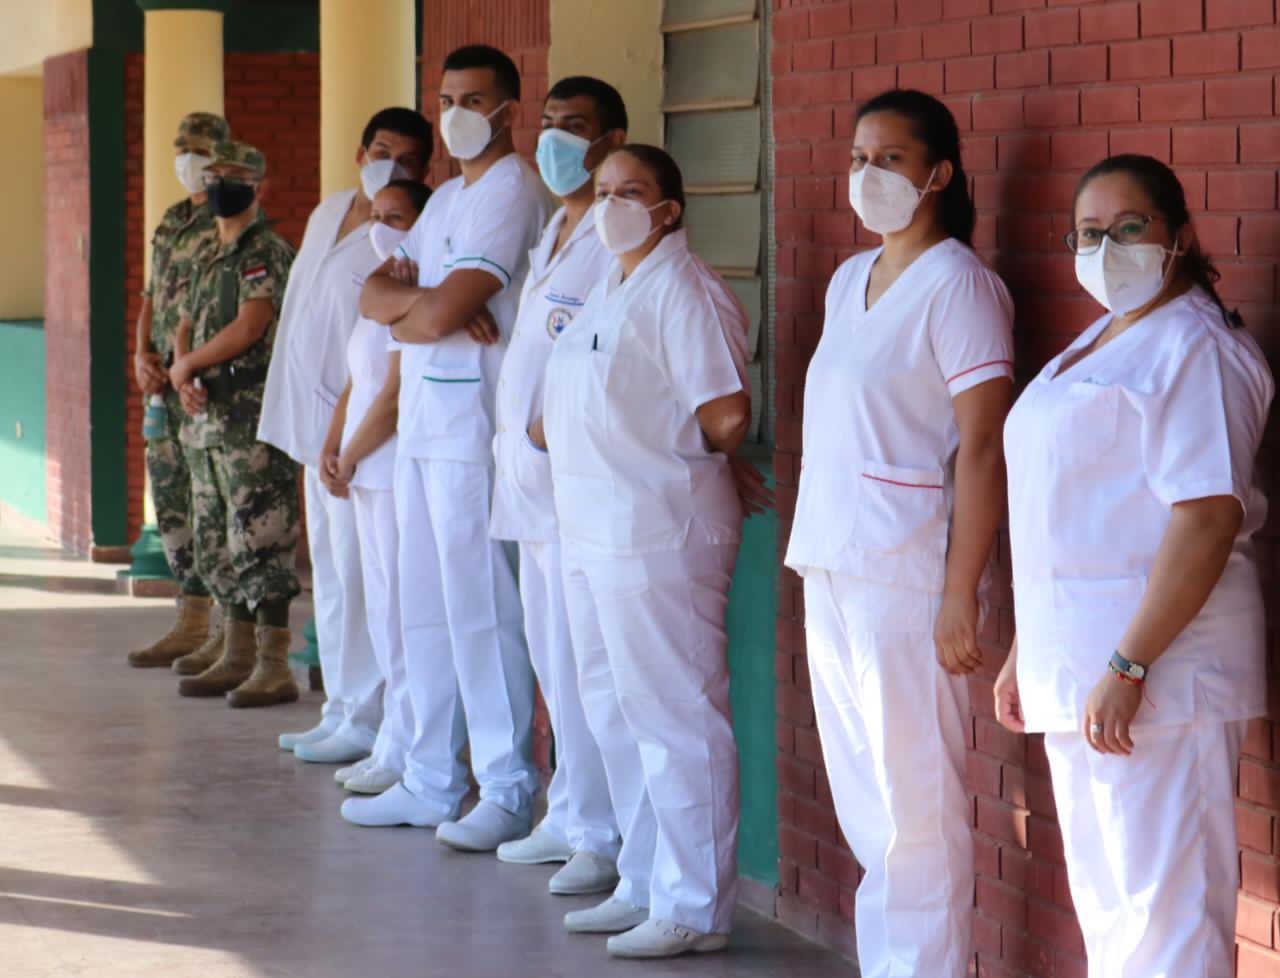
x=905, y=485
x=989, y=363
x=257, y=271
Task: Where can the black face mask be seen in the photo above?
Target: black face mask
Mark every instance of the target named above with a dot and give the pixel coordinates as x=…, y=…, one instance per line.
x=228, y=199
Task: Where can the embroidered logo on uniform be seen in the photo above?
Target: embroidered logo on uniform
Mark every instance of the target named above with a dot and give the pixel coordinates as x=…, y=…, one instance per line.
x=557, y=321
x=254, y=272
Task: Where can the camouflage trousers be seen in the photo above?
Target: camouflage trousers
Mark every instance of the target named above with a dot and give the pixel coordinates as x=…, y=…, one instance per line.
x=244, y=501
x=171, y=496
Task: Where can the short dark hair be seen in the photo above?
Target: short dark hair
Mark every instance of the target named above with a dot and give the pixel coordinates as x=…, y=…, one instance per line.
x=418, y=193
x=483, y=56
x=404, y=122
x=665, y=170
x=610, y=108
x=935, y=126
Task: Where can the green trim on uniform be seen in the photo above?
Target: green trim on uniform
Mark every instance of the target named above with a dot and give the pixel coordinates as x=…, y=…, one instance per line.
x=107, y=379
x=217, y=6
x=451, y=380
x=480, y=258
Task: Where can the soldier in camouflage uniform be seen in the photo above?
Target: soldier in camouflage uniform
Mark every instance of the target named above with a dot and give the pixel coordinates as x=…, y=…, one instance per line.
x=186, y=228
x=244, y=492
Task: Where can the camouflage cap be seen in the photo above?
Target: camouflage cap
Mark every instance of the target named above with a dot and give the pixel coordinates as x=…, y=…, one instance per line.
x=232, y=153
x=200, y=130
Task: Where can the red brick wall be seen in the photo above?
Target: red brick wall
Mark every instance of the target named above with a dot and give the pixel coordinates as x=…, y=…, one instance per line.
x=521, y=28
x=66, y=175
x=272, y=101
x=1041, y=89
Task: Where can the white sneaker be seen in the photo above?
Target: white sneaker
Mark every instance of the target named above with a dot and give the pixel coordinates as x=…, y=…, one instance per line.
x=395, y=806
x=585, y=873
x=334, y=749
x=345, y=774
x=664, y=939
x=290, y=741
x=483, y=829
x=611, y=917
x=540, y=846
x=372, y=780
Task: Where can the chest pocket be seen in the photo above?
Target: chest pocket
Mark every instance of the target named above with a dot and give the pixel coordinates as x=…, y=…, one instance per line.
x=1088, y=421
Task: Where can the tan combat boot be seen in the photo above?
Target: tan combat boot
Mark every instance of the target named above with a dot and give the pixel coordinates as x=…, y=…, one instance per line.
x=272, y=681
x=233, y=666
x=187, y=634
x=205, y=656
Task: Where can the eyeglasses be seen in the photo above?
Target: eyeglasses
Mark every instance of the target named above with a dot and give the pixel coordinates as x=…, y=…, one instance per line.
x=1126, y=231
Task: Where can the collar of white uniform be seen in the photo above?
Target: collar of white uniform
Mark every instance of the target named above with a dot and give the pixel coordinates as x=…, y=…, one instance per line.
x=541, y=259
x=675, y=244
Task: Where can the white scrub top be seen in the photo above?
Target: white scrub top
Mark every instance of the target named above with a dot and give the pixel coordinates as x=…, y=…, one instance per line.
x=880, y=433
x=321, y=303
x=368, y=360
x=1170, y=410
x=554, y=293
x=447, y=387
x=630, y=465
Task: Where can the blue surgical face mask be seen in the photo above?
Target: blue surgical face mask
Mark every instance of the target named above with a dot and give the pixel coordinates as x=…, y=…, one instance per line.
x=561, y=160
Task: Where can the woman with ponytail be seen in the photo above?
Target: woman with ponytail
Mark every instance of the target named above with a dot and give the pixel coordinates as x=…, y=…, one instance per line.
x=1140, y=653
x=901, y=492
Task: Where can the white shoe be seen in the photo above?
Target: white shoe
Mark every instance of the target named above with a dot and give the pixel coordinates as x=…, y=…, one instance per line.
x=611, y=917
x=540, y=846
x=483, y=829
x=395, y=806
x=664, y=939
x=373, y=780
x=345, y=774
x=585, y=873
x=290, y=741
x=334, y=749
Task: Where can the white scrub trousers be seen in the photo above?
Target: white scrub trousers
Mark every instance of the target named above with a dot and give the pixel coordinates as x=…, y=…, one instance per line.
x=579, y=811
x=892, y=725
x=1150, y=840
x=352, y=680
x=463, y=639
x=375, y=511
x=649, y=635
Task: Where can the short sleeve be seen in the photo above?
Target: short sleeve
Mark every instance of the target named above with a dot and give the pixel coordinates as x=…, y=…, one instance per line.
x=971, y=329
x=1203, y=424
x=705, y=343
x=503, y=226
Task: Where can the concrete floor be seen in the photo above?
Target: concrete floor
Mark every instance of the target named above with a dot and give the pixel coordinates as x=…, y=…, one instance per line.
x=145, y=835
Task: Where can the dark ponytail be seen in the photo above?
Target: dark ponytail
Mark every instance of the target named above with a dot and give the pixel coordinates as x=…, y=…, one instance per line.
x=1161, y=184
x=935, y=126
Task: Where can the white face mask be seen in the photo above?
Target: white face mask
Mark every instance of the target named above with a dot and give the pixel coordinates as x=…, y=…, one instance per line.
x=624, y=225
x=467, y=133
x=385, y=239
x=190, y=169
x=1123, y=277
x=376, y=174
x=885, y=201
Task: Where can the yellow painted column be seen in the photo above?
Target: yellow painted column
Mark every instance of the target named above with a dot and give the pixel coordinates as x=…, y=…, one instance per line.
x=22, y=200
x=620, y=43
x=183, y=74
x=367, y=53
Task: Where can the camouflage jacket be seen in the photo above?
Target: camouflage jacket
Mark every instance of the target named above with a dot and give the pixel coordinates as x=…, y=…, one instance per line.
x=185, y=230
x=254, y=266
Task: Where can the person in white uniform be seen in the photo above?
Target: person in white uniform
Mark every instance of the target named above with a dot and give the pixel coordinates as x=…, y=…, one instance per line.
x=307, y=373
x=460, y=607
x=646, y=397
x=582, y=119
x=901, y=492
x=358, y=462
x=1140, y=651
